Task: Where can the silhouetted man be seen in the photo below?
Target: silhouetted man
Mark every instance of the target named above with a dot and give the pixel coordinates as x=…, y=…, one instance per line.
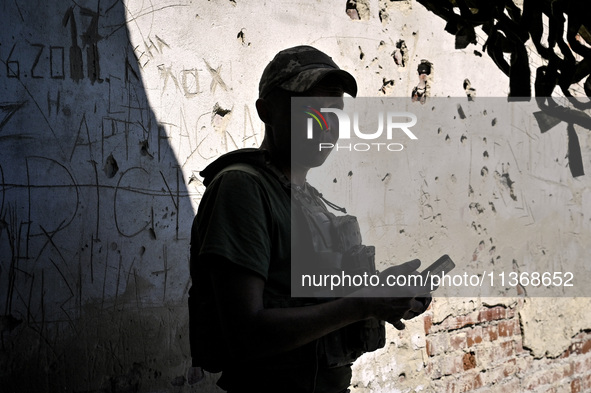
x=257, y=212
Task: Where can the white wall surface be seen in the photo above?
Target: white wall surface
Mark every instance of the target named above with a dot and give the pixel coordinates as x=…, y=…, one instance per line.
x=109, y=109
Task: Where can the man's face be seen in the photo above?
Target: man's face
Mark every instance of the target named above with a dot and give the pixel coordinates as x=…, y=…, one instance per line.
x=305, y=151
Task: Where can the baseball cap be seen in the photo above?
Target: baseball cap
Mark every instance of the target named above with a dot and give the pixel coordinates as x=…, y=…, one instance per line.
x=300, y=68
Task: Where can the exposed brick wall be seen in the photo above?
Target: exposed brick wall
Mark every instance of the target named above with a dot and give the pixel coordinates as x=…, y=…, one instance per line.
x=483, y=352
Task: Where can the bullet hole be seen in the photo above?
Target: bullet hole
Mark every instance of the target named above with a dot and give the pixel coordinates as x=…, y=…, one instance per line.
x=357, y=9
x=387, y=176
x=477, y=53
x=152, y=233
x=475, y=206
x=111, y=168
x=351, y=10
x=461, y=112
x=401, y=231
x=436, y=178
x=439, y=131
x=400, y=55
x=484, y=112
x=494, y=122
x=484, y=171
x=220, y=118
x=361, y=54
x=241, y=38
x=447, y=138
x=142, y=250
x=421, y=90
x=485, y=154
x=219, y=111
x=113, y=246
x=350, y=173
x=192, y=179
x=453, y=178
x=402, y=377
x=233, y=2
x=387, y=85
x=484, y=140
x=463, y=138
x=144, y=149
x=492, y=207
x=506, y=181
x=470, y=91
x=334, y=180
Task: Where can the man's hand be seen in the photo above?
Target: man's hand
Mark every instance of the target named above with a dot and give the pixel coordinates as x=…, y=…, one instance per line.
x=394, y=303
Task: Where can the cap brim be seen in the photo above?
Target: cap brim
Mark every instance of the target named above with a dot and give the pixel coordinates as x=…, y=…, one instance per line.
x=307, y=79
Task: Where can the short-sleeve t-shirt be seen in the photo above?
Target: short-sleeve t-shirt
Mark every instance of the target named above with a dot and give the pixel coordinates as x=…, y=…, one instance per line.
x=245, y=217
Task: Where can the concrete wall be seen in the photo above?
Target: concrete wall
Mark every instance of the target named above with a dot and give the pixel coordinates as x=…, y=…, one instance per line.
x=108, y=110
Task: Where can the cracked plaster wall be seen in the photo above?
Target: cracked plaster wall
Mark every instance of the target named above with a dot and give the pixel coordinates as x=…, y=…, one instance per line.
x=110, y=109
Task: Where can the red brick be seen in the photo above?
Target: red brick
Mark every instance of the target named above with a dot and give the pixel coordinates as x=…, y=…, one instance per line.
x=510, y=313
x=510, y=386
x=433, y=368
x=454, y=323
x=490, y=333
x=469, y=361
x=474, y=336
x=452, y=365
x=519, y=346
x=510, y=368
x=582, y=366
x=577, y=348
x=492, y=314
x=575, y=385
x=458, y=341
x=429, y=347
x=586, y=381
x=507, y=328
x=469, y=382
x=437, y=344
x=507, y=349
x=550, y=375
x=428, y=322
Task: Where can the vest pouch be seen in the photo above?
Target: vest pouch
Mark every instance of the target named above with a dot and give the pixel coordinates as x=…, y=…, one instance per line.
x=348, y=234
x=366, y=336
x=358, y=265
x=345, y=345
x=334, y=351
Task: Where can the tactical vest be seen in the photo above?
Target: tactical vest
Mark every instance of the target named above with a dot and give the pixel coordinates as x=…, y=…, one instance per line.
x=334, y=245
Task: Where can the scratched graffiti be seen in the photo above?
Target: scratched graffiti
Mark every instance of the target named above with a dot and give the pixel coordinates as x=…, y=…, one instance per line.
x=93, y=202
x=109, y=109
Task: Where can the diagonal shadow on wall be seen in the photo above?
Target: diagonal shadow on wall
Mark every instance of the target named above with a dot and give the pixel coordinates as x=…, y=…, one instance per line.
x=93, y=208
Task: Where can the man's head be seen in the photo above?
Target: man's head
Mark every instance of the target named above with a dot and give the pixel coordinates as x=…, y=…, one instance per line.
x=301, y=71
